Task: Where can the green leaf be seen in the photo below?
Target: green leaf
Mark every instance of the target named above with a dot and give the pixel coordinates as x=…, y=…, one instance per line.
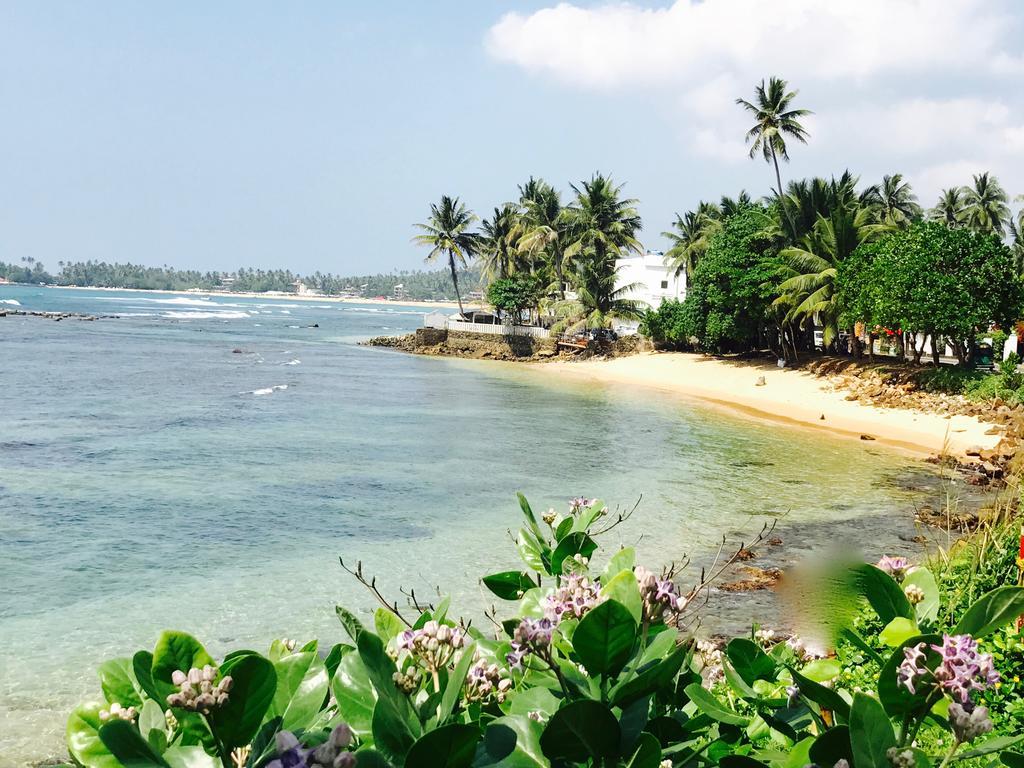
x=574, y=544
x=832, y=746
x=514, y=741
x=895, y=698
x=826, y=698
x=190, y=757
x=450, y=746
x=883, y=594
x=151, y=718
x=604, y=638
x=1012, y=759
x=142, y=666
x=623, y=589
x=924, y=579
x=997, y=744
x=623, y=560
x=354, y=694
x=588, y=515
x=254, y=684
x=176, y=651
x=388, y=625
x=991, y=611
x=124, y=742
x=117, y=679
x=393, y=718
x=657, y=677
x=530, y=551
x=531, y=519
x=371, y=758
x=348, y=620
x=871, y=733
x=822, y=670
x=749, y=661
x=709, y=704
x=302, y=686
x=799, y=753
x=509, y=585
x=83, y=738
x=647, y=753
x=859, y=642
x=453, y=688
x=581, y=730
x=897, y=631
x=537, y=699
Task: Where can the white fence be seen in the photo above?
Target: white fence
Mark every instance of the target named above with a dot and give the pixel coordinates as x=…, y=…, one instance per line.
x=498, y=330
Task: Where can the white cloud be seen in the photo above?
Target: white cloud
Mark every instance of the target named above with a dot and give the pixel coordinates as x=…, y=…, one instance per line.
x=619, y=44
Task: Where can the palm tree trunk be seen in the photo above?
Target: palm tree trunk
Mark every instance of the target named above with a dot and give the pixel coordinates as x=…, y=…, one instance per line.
x=778, y=181
x=558, y=274
x=455, y=281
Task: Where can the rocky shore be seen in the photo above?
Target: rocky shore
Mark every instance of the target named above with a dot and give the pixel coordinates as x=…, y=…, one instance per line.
x=897, y=387
x=55, y=316
x=482, y=346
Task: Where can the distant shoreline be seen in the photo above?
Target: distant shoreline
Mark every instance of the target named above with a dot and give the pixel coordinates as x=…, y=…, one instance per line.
x=268, y=295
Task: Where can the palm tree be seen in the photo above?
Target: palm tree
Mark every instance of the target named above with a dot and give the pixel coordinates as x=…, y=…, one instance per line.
x=690, y=238
x=774, y=122
x=985, y=205
x=1016, y=227
x=893, y=201
x=810, y=290
x=544, y=228
x=447, y=233
x=498, y=242
x=950, y=207
x=598, y=301
x=728, y=206
x=601, y=225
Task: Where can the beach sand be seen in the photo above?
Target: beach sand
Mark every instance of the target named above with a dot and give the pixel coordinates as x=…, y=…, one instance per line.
x=788, y=396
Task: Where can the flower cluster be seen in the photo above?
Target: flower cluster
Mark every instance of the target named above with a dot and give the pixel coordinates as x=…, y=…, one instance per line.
x=915, y=595
x=658, y=595
x=434, y=645
x=196, y=690
x=117, y=712
x=580, y=503
x=576, y=595
x=896, y=567
x=711, y=658
x=532, y=636
x=485, y=681
x=331, y=754
x=961, y=668
x=408, y=682
x=968, y=722
x=901, y=758
x=801, y=649
x=765, y=637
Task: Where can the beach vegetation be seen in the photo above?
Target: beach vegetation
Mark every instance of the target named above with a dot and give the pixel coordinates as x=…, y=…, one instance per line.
x=591, y=660
x=448, y=235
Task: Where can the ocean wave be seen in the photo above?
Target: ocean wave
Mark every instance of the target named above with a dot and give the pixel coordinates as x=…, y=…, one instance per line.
x=296, y=361
x=286, y=311
x=189, y=315
x=135, y=314
x=12, y=302
x=385, y=311
x=266, y=390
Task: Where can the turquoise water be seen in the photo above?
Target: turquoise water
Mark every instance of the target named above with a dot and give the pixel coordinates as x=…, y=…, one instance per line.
x=151, y=477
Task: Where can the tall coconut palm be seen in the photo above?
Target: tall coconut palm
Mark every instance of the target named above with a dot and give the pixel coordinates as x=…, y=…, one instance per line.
x=809, y=292
x=775, y=121
x=1016, y=232
x=893, y=201
x=950, y=207
x=986, y=205
x=544, y=229
x=498, y=245
x=448, y=234
x=729, y=206
x=602, y=225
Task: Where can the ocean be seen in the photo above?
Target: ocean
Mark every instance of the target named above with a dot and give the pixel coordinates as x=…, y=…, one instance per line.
x=201, y=464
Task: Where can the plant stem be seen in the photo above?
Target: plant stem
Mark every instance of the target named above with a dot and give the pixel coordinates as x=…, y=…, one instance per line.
x=949, y=755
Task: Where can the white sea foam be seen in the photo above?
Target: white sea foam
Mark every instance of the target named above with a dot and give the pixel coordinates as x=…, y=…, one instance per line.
x=189, y=315
x=12, y=302
x=135, y=314
x=286, y=311
x=266, y=390
x=293, y=326
x=383, y=310
x=296, y=361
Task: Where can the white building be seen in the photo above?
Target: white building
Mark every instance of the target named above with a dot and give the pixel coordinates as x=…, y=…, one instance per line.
x=655, y=281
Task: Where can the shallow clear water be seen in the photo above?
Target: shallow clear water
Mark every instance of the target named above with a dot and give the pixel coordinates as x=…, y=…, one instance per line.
x=150, y=477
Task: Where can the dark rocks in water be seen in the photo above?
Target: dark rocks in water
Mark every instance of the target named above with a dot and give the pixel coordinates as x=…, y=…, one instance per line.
x=314, y=325
x=236, y=351
x=759, y=578
x=867, y=437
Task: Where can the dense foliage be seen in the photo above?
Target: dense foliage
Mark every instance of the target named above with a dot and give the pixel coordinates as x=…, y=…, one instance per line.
x=933, y=280
x=514, y=295
x=590, y=663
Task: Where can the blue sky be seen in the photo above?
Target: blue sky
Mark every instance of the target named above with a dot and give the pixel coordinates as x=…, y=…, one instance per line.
x=312, y=135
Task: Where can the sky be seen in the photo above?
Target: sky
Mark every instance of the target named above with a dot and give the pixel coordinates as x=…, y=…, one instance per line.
x=312, y=135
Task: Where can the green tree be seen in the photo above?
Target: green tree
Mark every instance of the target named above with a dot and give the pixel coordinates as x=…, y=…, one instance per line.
x=893, y=201
x=599, y=300
x=775, y=122
x=545, y=230
x=950, y=207
x=514, y=295
x=602, y=225
x=689, y=237
x=931, y=279
x=498, y=242
x=986, y=205
x=447, y=233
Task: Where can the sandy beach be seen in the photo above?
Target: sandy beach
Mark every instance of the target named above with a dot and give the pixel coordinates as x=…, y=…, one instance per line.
x=787, y=396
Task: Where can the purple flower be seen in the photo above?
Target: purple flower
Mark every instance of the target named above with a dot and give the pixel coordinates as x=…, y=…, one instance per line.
x=331, y=754
x=580, y=503
x=896, y=567
x=961, y=668
x=658, y=595
x=532, y=636
x=968, y=723
x=577, y=595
